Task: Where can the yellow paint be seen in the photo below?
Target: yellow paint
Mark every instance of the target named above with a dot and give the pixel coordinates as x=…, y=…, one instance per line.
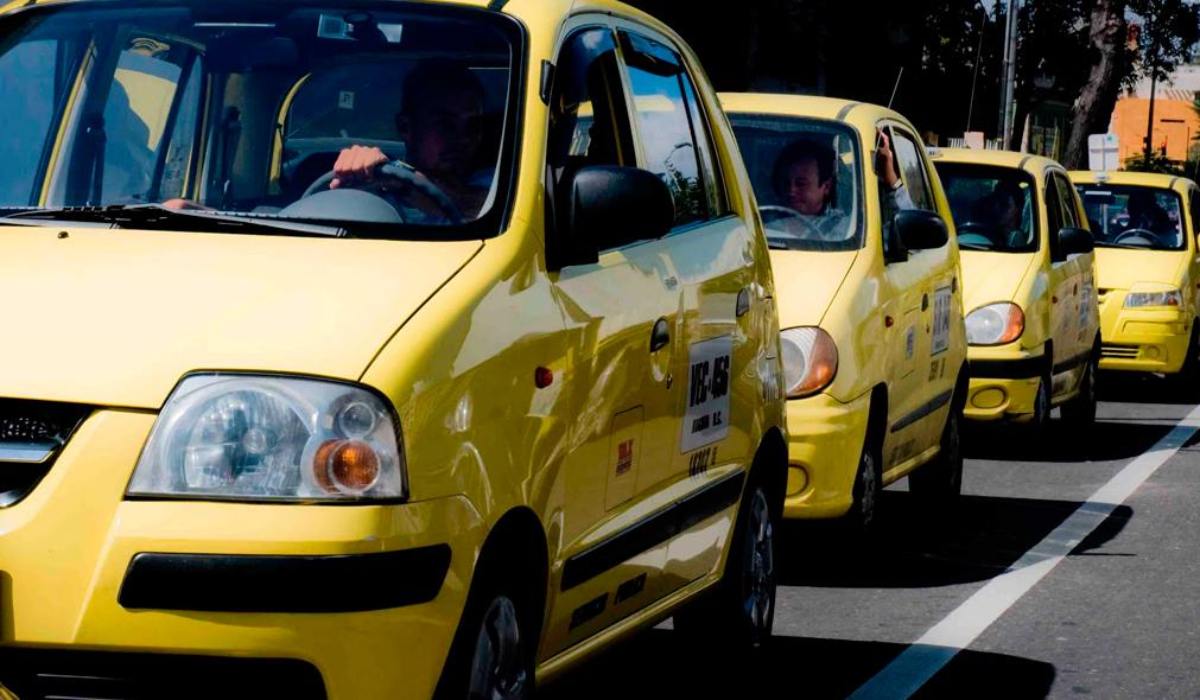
x=451, y=333
x=1059, y=299
x=1148, y=339
x=851, y=295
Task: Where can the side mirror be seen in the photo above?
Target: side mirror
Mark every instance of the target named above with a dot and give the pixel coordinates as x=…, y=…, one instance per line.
x=607, y=206
x=1075, y=241
x=916, y=229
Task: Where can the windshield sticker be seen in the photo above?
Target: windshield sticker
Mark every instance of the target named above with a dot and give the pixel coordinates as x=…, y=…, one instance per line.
x=707, y=418
x=941, y=320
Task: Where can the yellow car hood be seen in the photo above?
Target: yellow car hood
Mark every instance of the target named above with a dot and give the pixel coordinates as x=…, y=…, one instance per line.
x=1121, y=268
x=806, y=282
x=116, y=317
x=992, y=277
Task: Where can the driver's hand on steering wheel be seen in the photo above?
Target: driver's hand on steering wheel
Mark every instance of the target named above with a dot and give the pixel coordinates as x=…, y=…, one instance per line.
x=356, y=165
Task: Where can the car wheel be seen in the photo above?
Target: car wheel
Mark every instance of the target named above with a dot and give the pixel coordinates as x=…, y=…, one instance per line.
x=1080, y=412
x=939, y=482
x=1188, y=384
x=492, y=657
x=739, y=614
x=868, y=483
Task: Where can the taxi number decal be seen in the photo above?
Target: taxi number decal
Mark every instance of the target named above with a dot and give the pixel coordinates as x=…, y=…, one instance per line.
x=700, y=462
x=707, y=417
x=941, y=320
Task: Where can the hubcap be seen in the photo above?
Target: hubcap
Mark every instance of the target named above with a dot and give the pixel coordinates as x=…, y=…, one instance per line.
x=498, y=671
x=759, y=567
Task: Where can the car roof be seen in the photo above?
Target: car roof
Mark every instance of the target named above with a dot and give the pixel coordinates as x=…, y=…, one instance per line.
x=1124, y=177
x=1002, y=159
x=862, y=115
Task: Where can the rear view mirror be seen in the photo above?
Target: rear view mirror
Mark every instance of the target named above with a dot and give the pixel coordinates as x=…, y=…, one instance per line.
x=609, y=206
x=916, y=229
x=1075, y=241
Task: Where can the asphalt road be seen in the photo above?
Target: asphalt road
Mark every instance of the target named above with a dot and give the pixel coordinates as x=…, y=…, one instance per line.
x=1116, y=616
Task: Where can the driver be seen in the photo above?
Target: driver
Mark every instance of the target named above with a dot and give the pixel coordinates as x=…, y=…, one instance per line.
x=803, y=178
x=440, y=123
x=1146, y=214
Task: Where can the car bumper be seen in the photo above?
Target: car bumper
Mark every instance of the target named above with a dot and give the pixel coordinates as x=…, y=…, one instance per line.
x=1142, y=339
x=824, y=447
x=1003, y=388
x=367, y=596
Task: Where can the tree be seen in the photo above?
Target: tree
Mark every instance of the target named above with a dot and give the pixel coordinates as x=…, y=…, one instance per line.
x=1109, y=68
x=1170, y=28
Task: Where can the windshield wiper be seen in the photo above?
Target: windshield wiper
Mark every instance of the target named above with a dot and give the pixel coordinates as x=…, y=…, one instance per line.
x=156, y=217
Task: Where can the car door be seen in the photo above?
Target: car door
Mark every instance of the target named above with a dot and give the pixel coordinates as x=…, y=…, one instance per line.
x=1064, y=286
x=1083, y=288
x=927, y=278
x=621, y=314
x=699, y=442
x=1193, y=246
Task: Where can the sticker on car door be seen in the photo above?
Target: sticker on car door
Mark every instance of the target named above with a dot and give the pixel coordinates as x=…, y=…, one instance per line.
x=710, y=367
x=942, y=299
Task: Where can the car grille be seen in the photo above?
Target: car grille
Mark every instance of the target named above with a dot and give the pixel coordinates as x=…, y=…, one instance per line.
x=39, y=674
x=1120, y=352
x=32, y=433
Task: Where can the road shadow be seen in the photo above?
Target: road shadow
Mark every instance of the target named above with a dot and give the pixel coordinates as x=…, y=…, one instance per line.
x=1105, y=441
x=660, y=663
x=1131, y=387
x=976, y=540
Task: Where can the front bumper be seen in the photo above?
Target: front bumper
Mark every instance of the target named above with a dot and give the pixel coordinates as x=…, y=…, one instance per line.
x=1142, y=339
x=824, y=446
x=1003, y=387
x=82, y=569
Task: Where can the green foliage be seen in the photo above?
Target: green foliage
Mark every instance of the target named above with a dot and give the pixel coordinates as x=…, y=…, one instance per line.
x=1158, y=163
x=1169, y=30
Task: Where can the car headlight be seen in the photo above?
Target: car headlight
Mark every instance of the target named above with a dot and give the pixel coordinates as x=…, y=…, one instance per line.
x=272, y=439
x=1171, y=297
x=995, y=324
x=810, y=360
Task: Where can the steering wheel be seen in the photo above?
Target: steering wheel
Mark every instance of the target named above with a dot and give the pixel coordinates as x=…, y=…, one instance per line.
x=1143, y=233
x=775, y=212
x=393, y=173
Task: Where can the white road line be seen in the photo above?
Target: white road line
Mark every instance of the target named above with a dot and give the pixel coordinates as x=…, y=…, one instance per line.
x=924, y=658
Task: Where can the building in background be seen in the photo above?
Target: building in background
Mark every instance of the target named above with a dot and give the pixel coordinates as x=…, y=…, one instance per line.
x=1176, y=119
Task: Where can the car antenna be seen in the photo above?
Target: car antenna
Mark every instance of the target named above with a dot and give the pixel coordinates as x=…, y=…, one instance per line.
x=896, y=88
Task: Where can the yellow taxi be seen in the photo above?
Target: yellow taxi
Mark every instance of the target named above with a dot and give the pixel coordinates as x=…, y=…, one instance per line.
x=373, y=349
x=1147, y=270
x=1028, y=280
x=870, y=300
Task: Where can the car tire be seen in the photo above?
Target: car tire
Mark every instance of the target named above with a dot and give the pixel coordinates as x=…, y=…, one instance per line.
x=868, y=485
x=1188, y=382
x=939, y=483
x=738, y=614
x=1080, y=412
x=492, y=657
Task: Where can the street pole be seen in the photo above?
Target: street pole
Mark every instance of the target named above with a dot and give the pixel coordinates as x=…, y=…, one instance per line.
x=1010, y=69
x=1153, y=51
x=983, y=20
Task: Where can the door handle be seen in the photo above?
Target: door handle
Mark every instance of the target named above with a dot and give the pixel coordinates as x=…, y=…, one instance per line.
x=660, y=337
x=924, y=302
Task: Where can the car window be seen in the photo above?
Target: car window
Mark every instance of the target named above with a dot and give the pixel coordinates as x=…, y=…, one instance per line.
x=1066, y=200
x=27, y=107
x=1194, y=198
x=1124, y=216
x=667, y=131
x=279, y=93
x=806, y=175
x=912, y=170
x=993, y=207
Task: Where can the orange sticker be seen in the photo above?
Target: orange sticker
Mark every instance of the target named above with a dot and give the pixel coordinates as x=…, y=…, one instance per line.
x=624, y=457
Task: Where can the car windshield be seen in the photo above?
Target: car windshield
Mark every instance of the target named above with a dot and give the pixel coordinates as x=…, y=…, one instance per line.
x=806, y=177
x=992, y=207
x=1123, y=216
x=242, y=109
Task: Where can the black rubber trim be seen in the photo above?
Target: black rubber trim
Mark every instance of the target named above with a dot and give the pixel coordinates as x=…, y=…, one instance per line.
x=1071, y=362
x=497, y=5
x=652, y=531
x=252, y=583
x=937, y=402
x=1025, y=368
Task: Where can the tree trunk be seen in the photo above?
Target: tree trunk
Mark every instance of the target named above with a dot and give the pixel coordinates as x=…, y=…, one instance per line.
x=1094, y=107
